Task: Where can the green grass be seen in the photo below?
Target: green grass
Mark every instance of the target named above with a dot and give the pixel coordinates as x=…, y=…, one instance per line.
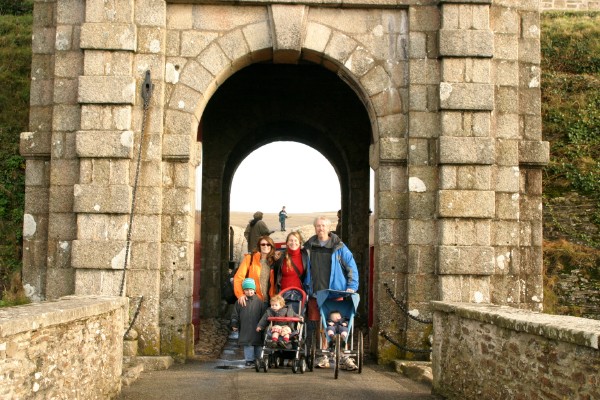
x=570, y=44
x=15, y=75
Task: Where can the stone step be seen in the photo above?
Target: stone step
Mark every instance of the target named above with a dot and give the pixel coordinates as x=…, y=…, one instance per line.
x=131, y=372
x=155, y=363
x=419, y=371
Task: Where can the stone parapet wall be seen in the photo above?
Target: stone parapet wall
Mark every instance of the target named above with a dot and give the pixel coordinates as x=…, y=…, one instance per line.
x=68, y=348
x=529, y=355
x=571, y=5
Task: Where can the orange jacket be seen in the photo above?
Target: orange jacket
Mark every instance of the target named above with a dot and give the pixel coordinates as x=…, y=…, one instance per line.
x=252, y=270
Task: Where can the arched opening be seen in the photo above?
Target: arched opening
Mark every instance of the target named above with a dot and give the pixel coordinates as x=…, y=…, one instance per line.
x=257, y=188
x=266, y=103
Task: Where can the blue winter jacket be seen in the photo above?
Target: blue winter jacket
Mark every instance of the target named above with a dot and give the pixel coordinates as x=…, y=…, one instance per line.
x=344, y=272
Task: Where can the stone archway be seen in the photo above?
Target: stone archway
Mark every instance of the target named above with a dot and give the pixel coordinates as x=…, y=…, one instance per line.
x=308, y=64
x=449, y=89
x=263, y=103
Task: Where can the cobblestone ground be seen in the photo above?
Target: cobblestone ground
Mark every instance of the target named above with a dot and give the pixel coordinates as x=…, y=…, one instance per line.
x=213, y=333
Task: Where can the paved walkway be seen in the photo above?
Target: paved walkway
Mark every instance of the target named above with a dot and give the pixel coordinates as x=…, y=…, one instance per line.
x=226, y=379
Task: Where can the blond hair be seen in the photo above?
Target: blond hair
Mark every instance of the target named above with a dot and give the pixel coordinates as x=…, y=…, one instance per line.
x=277, y=299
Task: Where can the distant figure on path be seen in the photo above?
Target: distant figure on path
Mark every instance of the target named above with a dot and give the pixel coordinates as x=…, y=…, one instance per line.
x=255, y=229
x=282, y=217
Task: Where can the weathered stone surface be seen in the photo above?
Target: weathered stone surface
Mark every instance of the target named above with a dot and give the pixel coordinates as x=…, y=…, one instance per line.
x=38, y=340
x=102, y=199
x=466, y=96
x=464, y=232
x=455, y=150
x=178, y=147
x=580, y=5
x=466, y=203
x=108, y=36
x=98, y=254
x=465, y=288
x=503, y=338
x=470, y=70
x=457, y=123
x=113, y=144
x=465, y=260
x=536, y=153
x=466, y=43
x=424, y=124
x=287, y=28
x=34, y=144
x=107, y=89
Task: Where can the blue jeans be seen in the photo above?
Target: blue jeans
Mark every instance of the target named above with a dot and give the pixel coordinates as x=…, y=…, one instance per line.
x=252, y=353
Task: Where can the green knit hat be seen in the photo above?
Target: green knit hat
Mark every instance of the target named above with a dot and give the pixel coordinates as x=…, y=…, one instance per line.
x=248, y=283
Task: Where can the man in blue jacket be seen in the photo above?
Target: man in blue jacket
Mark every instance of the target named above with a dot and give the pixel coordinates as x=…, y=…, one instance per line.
x=331, y=266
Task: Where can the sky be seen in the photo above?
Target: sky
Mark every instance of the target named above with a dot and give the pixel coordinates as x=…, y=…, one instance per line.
x=288, y=161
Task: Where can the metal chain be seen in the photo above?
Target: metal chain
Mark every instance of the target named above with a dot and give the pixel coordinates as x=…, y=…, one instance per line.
x=398, y=345
x=146, y=95
x=406, y=312
x=135, y=315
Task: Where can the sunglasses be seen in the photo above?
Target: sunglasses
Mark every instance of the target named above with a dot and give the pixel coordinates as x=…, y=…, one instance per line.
x=265, y=244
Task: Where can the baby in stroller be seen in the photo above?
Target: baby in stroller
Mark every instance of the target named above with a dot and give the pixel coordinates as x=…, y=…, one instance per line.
x=337, y=310
x=285, y=336
x=336, y=323
x=280, y=328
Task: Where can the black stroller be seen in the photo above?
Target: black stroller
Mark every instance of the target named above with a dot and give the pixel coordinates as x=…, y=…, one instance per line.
x=273, y=358
x=346, y=303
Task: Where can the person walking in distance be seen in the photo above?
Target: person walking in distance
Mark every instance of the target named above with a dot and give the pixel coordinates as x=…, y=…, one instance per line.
x=282, y=217
x=255, y=229
x=331, y=266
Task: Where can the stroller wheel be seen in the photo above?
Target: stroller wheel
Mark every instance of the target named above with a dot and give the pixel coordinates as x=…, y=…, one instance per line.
x=302, y=363
x=294, y=366
x=360, y=352
x=312, y=352
x=337, y=356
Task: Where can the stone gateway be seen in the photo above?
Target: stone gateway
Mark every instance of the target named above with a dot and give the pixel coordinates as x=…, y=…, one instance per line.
x=441, y=98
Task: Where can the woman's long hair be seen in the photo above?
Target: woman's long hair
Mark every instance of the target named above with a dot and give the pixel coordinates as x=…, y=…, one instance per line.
x=288, y=262
x=271, y=255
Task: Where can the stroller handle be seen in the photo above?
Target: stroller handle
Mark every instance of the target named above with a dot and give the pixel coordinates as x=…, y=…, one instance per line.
x=285, y=319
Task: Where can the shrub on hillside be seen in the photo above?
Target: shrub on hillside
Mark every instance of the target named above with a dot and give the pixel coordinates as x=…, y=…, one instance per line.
x=15, y=67
x=16, y=7
x=571, y=119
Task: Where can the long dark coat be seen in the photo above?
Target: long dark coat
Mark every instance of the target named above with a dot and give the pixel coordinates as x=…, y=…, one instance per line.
x=246, y=319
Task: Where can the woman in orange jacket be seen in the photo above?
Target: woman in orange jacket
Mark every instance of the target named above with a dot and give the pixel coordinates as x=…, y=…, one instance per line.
x=257, y=265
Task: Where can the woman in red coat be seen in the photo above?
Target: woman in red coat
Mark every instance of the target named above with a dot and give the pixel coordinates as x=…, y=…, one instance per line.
x=291, y=267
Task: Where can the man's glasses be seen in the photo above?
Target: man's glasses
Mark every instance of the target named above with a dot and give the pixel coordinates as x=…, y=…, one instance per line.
x=265, y=244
